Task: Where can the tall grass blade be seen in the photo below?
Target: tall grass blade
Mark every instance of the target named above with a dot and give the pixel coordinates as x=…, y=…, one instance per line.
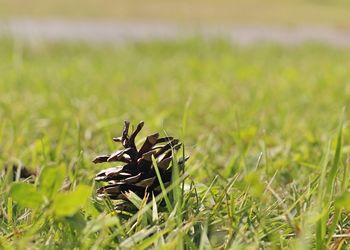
x=164, y=192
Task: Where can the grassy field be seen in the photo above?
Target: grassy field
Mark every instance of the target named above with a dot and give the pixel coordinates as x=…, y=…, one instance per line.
x=194, y=12
x=269, y=164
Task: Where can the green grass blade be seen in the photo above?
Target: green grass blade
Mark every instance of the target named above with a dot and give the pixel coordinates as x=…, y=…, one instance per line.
x=164, y=192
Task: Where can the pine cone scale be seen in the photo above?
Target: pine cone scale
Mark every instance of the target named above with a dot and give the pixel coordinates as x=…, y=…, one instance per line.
x=100, y=159
x=151, y=140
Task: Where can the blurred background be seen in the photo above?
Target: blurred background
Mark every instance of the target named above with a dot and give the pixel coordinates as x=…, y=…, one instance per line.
x=289, y=21
x=227, y=77
x=288, y=12
x=253, y=64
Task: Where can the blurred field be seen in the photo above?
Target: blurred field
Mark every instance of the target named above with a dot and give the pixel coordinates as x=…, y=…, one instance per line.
x=61, y=104
x=194, y=12
x=266, y=125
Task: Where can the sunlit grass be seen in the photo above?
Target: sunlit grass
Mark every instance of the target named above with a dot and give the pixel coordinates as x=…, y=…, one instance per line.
x=261, y=123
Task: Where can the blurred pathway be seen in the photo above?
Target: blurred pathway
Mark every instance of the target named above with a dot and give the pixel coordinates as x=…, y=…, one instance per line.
x=109, y=31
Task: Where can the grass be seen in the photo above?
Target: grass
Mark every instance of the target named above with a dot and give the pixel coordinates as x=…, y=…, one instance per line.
x=269, y=157
x=270, y=12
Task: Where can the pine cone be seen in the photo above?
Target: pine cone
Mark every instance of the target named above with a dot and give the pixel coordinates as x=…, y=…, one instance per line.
x=138, y=174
